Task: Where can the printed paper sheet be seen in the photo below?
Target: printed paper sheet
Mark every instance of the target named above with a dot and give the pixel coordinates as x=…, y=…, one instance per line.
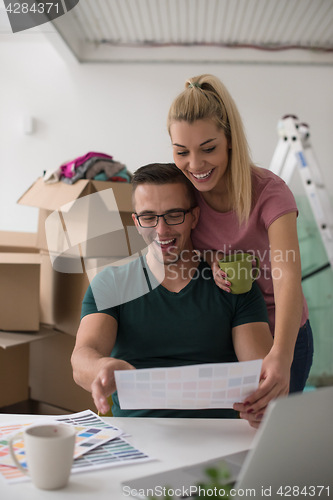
x=214, y=385
x=101, y=449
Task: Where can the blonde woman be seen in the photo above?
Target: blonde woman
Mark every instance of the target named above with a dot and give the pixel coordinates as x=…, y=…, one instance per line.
x=245, y=208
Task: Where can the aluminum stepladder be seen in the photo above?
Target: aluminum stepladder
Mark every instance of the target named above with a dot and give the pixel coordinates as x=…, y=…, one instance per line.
x=294, y=150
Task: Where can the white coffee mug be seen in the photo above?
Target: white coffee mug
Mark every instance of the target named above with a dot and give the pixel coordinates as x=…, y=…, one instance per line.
x=49, y=451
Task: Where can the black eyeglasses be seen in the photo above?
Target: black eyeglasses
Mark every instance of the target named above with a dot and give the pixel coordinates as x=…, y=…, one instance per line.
x=171, y=218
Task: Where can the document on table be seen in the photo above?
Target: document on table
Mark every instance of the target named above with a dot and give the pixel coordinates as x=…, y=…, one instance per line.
x=98, y=445
x=193, y=387
x=86, y=439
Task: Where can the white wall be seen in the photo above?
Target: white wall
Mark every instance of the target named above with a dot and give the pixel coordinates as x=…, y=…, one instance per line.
x=121, y=110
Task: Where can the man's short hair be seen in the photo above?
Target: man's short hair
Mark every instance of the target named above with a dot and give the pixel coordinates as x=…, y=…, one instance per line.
x=163, y=173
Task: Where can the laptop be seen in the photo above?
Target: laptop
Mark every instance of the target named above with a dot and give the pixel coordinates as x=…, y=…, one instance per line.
x=291, y=454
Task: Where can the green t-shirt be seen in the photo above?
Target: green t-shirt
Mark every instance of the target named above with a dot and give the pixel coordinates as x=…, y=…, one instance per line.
x=159, y=328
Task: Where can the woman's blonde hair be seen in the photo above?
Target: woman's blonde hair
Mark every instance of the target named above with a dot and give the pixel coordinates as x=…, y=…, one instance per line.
x=205, y=97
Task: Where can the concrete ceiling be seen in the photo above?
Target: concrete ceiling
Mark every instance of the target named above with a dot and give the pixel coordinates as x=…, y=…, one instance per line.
x=249, y=31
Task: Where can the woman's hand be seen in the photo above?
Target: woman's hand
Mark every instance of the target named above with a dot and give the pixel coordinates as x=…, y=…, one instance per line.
x=254, y=419
x=274, y=382
x=220, y=277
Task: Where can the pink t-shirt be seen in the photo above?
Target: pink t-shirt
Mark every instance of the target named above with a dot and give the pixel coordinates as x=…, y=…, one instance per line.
x=221, y=231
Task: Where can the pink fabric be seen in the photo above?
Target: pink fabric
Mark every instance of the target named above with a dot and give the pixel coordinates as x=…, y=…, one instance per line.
x=117, y=178
x=220, y=231
x=68, y=169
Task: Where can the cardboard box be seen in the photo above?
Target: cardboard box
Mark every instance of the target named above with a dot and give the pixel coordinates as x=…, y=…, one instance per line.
x=14, y=374
x=15, y=242
x=88, y=218
x=51, y=377
x=77, y=224
x=19, y=242
x=19, y=282
x=47, y=290
x=62, y=293
x=14, y=364
x=68, y=290
x=39, y=365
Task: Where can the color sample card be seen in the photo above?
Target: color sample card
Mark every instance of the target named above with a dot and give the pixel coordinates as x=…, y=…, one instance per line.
x=84, y=418
x=9, y=429
x=98, y=455
x=214, y=385
x=8, y=470
x=115, y=452
x=91, y=431
x=87, y=438
x=12, y=475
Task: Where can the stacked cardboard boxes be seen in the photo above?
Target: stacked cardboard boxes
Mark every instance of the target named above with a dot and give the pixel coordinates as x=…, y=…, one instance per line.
x=82, y=227
x=19, y=310
x=14, y=364
x=19, y=281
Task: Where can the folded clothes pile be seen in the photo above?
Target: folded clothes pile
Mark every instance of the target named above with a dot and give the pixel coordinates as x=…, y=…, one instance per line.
x=97, y=166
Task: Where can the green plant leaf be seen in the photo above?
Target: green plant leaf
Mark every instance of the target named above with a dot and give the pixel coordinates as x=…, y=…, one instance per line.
x=212, y=472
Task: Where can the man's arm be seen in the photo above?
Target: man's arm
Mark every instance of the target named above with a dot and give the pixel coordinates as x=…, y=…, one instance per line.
x=251, y=341
x=93, y=369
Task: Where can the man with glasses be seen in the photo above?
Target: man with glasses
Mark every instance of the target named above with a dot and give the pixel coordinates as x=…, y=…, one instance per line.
x=164, y=309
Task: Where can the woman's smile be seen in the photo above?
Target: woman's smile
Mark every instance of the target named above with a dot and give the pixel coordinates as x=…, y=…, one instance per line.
x=202, y=176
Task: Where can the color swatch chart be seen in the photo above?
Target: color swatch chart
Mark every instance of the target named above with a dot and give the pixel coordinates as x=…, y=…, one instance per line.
x=214, y=385
x=86, y=439
x=93, y=449
x=115, y=452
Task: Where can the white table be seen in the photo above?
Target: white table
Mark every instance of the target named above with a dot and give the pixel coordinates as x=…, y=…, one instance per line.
x=173, y=442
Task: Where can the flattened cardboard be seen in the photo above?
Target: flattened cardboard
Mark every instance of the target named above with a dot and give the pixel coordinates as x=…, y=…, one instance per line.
x=98, y=228
x=11, y=339
x=51, y=376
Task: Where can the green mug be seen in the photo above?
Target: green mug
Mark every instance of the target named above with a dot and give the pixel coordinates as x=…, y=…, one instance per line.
x=239, y=270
